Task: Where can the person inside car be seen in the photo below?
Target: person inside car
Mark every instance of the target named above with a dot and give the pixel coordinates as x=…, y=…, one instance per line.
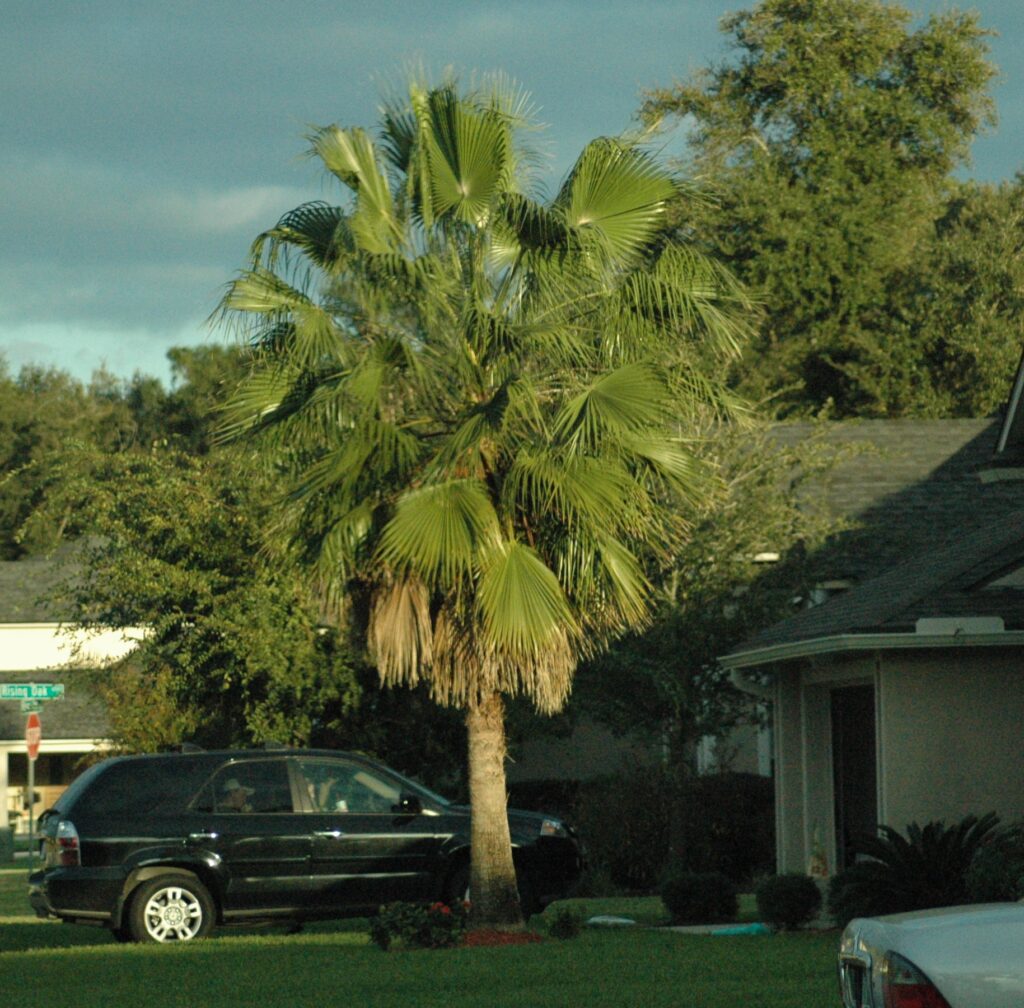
x=235, y=796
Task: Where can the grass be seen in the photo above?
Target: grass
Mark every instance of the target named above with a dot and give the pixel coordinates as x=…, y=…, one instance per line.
x=622, y=967
x=657, y=969
x=13, y=892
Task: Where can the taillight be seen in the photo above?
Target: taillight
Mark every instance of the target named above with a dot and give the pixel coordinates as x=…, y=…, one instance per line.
x=66, y=840
x=905, y=986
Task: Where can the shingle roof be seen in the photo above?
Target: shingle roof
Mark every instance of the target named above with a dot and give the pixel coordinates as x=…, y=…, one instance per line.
x=927, y=531
x=912, y=486
x=947, y=582
x=23, y=586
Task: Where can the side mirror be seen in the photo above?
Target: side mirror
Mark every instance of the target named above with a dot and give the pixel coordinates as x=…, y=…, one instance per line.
x=408, y=805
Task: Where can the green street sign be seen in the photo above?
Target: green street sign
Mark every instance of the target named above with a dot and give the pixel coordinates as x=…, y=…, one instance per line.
x=31, y=691
x=28, y=706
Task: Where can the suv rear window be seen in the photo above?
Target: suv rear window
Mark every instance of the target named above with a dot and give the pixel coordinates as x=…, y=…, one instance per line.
x=147, y=785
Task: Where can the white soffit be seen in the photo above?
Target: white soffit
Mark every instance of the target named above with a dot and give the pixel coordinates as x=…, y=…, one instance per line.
x=31, y=647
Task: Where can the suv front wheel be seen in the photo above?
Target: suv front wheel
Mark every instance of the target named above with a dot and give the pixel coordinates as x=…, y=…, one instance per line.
x=170, y=908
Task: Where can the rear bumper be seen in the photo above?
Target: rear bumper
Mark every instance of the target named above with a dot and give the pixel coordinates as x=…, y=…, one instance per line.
x=76, y=893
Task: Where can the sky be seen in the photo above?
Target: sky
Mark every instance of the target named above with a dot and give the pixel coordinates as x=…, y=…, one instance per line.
x=146, y=144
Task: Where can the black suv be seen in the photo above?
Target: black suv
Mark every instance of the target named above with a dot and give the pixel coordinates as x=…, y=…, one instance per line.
x=164, y=847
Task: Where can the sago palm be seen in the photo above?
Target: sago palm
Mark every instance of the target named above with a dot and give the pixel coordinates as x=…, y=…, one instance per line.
x=474, y=399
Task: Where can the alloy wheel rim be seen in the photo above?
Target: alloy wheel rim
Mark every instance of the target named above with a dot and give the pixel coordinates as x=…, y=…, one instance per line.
x=173, y=914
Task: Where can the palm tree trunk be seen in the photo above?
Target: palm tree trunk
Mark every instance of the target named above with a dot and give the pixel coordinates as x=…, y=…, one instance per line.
x=492, y=883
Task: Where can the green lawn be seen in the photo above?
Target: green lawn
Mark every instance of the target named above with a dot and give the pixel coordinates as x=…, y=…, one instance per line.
x=13, y=890
x=623, y=967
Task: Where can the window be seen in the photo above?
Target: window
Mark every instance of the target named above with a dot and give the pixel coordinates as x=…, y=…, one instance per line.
x=154, y=786
x=341, y=786
x=253, y=786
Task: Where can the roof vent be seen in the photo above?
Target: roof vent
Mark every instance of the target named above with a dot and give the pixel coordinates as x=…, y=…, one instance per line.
x=954, y=626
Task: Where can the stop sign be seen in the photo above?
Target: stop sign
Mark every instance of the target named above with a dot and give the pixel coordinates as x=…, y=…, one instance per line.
x=33, y=735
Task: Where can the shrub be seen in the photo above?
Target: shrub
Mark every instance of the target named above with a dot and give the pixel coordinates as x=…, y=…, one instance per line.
x=719, y=823
x=996, y=873
x=853, y=893
x=565, y=924
x=787, y=901
x=417, y=926
x=926, y=868
x=623, y=823
x=699, y=897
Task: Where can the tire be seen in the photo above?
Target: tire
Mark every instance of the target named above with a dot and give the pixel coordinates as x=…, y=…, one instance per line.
x=122, y=933
x=170, y=908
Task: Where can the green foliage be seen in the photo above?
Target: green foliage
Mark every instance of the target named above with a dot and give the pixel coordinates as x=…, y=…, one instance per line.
x=788, y=901
x=831, y=132
x=956, y=311
x=667, y=680
x=474, y=396
x=232, y=651
x=699, y=897
x=635, y=823
x=926, y=868
x=40, y=411
x=996, y=873
x=564, y=923
x=412, y=925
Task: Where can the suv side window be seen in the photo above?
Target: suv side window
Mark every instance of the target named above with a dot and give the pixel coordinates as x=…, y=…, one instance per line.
x=336, y=785
x=252, y=786
x=143, y=785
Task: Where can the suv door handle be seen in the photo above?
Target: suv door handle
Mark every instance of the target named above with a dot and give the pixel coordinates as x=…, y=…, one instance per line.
x=333, y=834
x=203, y=836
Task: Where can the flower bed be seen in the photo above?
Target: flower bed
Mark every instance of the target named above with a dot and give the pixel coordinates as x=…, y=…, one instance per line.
x=486, y=937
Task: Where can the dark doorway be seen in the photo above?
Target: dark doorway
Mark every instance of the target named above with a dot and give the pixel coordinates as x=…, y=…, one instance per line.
x=854, y=770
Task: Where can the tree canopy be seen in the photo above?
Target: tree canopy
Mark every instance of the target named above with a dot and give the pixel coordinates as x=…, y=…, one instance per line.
x=831, y=132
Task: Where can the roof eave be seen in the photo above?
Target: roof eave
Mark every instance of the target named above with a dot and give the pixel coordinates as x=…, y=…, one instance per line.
x=845, y=643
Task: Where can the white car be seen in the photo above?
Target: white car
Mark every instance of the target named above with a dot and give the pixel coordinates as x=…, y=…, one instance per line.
x=953, y=957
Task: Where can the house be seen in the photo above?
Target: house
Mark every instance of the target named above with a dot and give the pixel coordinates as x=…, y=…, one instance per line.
x=37, y=647
x=900, y=698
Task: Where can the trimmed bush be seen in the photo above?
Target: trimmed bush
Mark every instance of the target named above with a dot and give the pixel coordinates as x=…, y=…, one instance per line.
x=699, y=897
x=787, y=902
x=565, y=924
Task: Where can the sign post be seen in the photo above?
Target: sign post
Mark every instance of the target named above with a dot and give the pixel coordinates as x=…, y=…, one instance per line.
x=33, y=736
x=31, y=695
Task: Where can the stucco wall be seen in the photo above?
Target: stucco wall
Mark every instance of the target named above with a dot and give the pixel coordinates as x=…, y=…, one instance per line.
x=950, y=740
x=952, y=735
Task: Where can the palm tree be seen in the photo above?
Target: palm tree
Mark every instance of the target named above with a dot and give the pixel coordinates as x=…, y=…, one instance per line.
x=473, y=399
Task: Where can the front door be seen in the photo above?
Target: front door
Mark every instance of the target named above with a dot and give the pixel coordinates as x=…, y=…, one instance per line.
x=365, y=849
x=854, y=769
x=246, y=816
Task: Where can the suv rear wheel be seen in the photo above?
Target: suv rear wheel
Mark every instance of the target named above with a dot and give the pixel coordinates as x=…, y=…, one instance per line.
x=170, y=908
